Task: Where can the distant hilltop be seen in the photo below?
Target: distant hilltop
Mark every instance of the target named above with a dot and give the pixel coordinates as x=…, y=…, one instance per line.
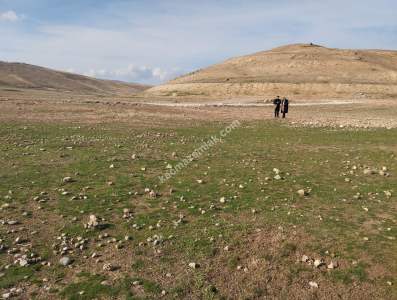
x=25, y=76
x=300, y=71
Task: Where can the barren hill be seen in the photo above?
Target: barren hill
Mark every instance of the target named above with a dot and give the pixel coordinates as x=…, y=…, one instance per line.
x=20, y=75
x=297, y=71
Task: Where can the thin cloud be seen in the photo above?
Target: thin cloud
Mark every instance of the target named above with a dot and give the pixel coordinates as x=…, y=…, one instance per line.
x=134, y=73
x=10, y=16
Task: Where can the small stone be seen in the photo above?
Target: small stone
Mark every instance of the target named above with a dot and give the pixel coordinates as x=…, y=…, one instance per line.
x=318, y=263
x=313, y=284
x=382, y=173
x=67, y=179
x=305, y=258
x=23, y=262
x=332, y=265
x=65, y=261
x=277, y=177
x=388, y=194
x=92, y=222
x=108, y=267
x=369, y=171
x=222, y=200
x=302, y=193
x=193, y=265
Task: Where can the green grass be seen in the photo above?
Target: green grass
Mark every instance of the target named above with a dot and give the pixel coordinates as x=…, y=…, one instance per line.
x=330, y=219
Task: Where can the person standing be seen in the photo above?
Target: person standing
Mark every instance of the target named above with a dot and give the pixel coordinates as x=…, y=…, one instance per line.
x=284, y=107
x=277, y=103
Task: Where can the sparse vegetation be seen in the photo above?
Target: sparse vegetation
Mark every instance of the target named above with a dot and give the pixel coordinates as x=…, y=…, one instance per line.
x=250, y=244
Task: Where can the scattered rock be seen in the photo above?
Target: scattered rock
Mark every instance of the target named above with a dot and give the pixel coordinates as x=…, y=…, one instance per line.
x=108, y=267
x=388, y=194
x=277, y=177
x=332, y=265
x=65, y=261
x=305, y=258
x=313, y=284
x=302, y=193
x=92, y=222
x=194, y=265
x=67, y=179
x=318, y=263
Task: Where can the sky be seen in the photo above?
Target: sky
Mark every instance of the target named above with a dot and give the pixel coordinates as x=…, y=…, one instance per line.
x=152, y=41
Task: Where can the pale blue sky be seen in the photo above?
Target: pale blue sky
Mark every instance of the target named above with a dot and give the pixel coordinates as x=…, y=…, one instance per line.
x=151, y=41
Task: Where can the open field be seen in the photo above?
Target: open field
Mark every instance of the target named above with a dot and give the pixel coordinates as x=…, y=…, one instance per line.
x=227, y=226
x=38, y=106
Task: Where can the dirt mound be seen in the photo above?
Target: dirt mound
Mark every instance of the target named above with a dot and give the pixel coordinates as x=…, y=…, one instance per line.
x=20, y=75
x=301, y=71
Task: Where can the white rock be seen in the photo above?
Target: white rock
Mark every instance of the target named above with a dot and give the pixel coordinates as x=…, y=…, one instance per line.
x=108, y=267
x=67, y=179
x=23, y=262
x=92, y=222
x=318, y=262
x=313, y=284
x=305, y=258
x=65, y=261
x=369, y=171
x=193, y=265
x=332, y=265
x=302, y=193
x=388, y=194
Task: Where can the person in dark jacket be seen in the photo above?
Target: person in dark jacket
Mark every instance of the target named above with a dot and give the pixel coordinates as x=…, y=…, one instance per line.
x=284, y=107
x=277, y=103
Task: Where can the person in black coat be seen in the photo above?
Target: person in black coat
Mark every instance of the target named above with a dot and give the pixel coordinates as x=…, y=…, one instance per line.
x=277, y=103
x=284, y=107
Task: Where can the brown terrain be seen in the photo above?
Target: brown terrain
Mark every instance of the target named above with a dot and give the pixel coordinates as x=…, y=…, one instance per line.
x=297, y=71
x=273, y=212
x=326, y=87
x=25, y=76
